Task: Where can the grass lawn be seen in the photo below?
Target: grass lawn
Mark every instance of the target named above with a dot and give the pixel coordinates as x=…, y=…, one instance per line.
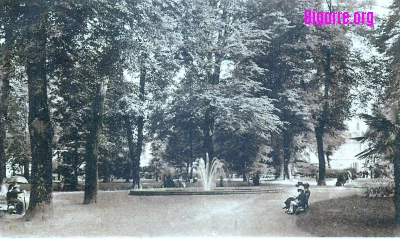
x=352, y=216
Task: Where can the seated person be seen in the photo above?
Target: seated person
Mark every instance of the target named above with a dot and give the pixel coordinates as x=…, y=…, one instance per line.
x=291, y=198
x=301, y=200
x=12, y=198
x=306, y=188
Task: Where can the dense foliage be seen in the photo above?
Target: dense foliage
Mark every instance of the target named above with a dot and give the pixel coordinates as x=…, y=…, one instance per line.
x=244, y=81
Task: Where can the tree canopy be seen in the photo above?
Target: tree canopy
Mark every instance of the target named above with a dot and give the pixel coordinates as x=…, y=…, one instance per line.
x=244, y=81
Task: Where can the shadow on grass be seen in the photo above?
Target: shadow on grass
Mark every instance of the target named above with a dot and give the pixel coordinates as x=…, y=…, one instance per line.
x=352, y=216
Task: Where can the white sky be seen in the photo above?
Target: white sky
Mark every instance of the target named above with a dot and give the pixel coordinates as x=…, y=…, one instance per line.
x=382, y=7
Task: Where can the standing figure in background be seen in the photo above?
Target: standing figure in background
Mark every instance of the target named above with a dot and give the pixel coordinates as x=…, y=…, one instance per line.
x=4, y=188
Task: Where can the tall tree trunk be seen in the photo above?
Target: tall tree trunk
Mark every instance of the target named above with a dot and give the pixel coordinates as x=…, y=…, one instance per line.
x=328, y=160
x=287, y=153
x=106, y=172
x=281, y=160
x=127, y=173
x=129, y=135
x=26, y=169
x=208, y=142
x=209, y=118
x=75, y=160
x=27, y=161
x=244, y=172
x=323, y=120
x=92, y=145
x=321, y=157
x=279, y=156
x=40, y=129
x=187, y=62
x=140, y=125
x=190, y=160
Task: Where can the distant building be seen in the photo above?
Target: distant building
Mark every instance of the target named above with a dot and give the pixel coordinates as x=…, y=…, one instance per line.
x=345, y=155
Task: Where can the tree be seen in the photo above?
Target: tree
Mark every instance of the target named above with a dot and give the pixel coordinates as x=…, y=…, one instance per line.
x=383, y=136
x=103, y=59
x=10, y=12
x=40, y=129
x=17, y=141
x=5, y=88
x=92, y=145
x=282, y=61
x=151, y=58
x=383, y=123
x=330, y=86
x=386, y=128
x=181, y=126
x=218, y=92
x=118, y=139
x=70, y=95
x=86, y=56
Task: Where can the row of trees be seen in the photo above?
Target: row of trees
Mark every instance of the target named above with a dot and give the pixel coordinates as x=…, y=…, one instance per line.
x=383, y=135
x=245, y=81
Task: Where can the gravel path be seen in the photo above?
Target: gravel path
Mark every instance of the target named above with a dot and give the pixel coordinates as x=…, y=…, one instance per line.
x=120, y=214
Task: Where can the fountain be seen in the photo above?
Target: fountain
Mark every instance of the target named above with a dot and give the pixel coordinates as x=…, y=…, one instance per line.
x=208, y=171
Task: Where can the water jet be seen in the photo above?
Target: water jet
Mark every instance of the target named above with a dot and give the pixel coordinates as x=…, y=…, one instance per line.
x=208, y=171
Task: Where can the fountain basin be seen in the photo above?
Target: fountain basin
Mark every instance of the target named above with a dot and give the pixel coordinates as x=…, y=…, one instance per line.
x=198, y=191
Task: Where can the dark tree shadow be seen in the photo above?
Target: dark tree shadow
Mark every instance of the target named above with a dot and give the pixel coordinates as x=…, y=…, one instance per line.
x=352, y=216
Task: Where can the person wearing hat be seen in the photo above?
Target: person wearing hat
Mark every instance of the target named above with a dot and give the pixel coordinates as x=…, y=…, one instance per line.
x=12, y=198
x=300, y=200
x=307, y=190
x=292, y=198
